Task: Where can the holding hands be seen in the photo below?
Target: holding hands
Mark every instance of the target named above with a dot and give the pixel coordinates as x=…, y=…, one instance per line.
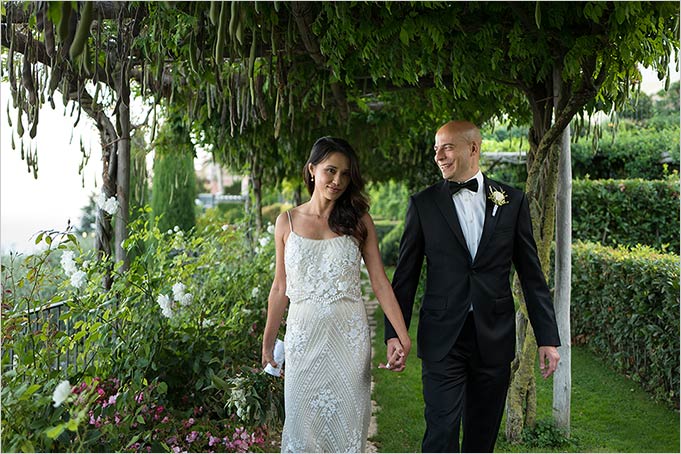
x=397, y=354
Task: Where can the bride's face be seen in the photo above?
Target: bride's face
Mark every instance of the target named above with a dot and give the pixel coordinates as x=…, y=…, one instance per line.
x=331, y=176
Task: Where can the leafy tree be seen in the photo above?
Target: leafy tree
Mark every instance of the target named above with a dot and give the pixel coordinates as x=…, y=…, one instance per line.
x=638, y=107
x=174, y=183
x=64, y=46
x=666, y=108
x=264, y=79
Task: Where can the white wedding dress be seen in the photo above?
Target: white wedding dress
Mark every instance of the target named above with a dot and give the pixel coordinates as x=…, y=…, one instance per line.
x=327, y=384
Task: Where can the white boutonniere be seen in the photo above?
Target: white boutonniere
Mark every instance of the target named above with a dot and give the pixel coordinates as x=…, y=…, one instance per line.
x=498, y=198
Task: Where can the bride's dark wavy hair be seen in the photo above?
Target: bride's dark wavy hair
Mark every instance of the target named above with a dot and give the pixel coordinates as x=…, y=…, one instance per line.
x=346, y=216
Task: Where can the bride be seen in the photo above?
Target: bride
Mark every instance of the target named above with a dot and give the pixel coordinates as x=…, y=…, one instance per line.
x=319, y=248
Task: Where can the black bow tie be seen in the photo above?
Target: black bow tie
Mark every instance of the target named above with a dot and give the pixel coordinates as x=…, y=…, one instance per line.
x=455, y=187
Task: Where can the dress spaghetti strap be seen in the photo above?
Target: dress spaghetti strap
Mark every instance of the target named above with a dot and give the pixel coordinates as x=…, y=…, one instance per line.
x=290, y=224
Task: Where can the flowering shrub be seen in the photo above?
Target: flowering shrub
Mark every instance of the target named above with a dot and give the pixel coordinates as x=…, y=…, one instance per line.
x=178, y=333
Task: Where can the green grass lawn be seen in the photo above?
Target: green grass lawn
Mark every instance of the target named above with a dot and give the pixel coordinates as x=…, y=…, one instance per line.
x=610, y=413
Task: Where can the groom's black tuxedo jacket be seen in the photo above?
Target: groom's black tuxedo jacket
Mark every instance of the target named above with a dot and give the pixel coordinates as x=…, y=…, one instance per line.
x=454, y=281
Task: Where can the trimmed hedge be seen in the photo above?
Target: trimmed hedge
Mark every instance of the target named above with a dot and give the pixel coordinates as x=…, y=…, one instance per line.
x=632, y=152
x=625, y=307
x=627, y=212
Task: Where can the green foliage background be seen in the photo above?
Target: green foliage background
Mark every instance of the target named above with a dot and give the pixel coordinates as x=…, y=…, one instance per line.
x=174, y=183
x=202, y=362
x=626, y=309
x=627, y=212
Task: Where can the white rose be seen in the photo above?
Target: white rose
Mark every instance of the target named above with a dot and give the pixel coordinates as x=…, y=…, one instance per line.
x=101, y=200
x=67, y=263
x=178, y=291
x=78, y=279
x=166, y=305
x=61, y=392
x=264, y=241
x=255, y=292
x=186, y=300
x=111, y=205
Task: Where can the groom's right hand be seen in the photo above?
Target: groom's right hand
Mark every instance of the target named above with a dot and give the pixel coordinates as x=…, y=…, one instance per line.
x=397, y=358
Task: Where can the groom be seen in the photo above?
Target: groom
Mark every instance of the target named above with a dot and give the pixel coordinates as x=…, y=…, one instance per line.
x=471, y=230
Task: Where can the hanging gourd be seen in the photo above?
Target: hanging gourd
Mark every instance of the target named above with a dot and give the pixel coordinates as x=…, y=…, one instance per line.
x=82, y=31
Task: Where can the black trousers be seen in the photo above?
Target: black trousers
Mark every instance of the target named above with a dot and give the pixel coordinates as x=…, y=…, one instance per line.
x=461, y=387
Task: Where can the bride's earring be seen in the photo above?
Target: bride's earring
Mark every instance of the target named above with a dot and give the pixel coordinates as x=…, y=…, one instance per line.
x=311, y=177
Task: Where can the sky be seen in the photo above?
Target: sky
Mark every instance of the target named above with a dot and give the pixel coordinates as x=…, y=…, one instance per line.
x=28, y=206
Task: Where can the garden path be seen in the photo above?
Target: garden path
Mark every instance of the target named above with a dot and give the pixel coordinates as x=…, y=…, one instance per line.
x=370, y=303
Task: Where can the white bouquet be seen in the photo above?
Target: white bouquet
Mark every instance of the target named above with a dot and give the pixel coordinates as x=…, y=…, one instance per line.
x=278, y=355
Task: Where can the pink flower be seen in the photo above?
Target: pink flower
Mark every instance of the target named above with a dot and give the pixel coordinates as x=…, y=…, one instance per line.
x=165, y=419
x=117, y=419
x=160, y=409
x=112, y=399
x=192, y=436
x=95, y=422
x=213, y=440
x=188, y=423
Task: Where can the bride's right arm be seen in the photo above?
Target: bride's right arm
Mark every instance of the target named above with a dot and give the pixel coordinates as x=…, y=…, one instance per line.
x=277, y=300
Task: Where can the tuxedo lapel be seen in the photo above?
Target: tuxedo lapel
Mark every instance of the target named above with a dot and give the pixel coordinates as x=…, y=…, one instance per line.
x=446, y=206
x=490, y=221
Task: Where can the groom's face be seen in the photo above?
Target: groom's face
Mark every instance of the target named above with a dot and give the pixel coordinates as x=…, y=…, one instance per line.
x=454, y=156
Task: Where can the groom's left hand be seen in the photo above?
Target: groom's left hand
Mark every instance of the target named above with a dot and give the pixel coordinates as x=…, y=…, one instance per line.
x=548, y=355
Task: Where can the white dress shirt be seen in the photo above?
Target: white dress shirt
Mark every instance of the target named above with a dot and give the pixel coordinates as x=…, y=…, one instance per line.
x=470, y=209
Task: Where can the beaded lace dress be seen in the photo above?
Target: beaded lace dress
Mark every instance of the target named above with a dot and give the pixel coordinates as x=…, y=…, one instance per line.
x=327, y=384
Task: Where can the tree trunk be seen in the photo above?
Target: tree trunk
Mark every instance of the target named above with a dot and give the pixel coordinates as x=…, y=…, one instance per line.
x=256, y=181
x=109, y=140
x=123, y=171
x=257, y=201
x=521, y=403
x=541, y=185
x=562, y=381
